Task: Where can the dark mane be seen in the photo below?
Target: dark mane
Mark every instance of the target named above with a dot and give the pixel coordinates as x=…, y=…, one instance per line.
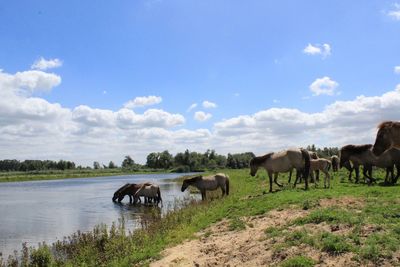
x=193, y=179
x=357, y=149
x=388, y=124
x=122, y=188
x=261, y=159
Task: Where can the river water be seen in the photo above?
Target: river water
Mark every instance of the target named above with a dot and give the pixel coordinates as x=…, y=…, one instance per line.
x=38, y=211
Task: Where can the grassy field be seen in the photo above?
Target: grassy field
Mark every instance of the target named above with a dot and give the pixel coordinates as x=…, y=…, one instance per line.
x=380, y=211
x=55, y=174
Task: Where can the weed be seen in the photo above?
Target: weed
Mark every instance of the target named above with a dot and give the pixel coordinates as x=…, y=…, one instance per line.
x=298, y=261
x=334, y=244
x=236, y=224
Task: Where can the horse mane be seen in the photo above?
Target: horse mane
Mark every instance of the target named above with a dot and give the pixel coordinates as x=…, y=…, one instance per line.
x=261, y=159
x=193, y=179
x=389, y=124
x=357, y=149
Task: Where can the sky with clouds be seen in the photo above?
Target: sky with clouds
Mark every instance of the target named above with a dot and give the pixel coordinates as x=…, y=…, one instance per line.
x=95, y=82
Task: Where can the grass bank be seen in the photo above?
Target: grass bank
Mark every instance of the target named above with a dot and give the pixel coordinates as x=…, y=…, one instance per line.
x=66, y=174
x=113, y=247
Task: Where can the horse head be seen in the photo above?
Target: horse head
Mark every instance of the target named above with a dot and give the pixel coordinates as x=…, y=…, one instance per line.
x=382, y=141
x=189, y=181
x=119, y=194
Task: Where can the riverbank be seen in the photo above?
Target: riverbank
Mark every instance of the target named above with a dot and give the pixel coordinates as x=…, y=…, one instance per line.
x=68, y=174
x=364, y=230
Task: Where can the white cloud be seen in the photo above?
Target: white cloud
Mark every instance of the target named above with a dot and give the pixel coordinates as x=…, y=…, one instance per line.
x=32, y=127
x=192, y=106
x=208, y=104
x=202, y=116
x=44, y=64
x=324, y=86
x=324, y=50
x=142, y=101
x=396, y=69
x=395, y=13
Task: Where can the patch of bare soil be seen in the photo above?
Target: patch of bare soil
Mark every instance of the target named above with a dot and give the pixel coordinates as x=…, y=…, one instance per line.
x=218, y=246
x=344, y=202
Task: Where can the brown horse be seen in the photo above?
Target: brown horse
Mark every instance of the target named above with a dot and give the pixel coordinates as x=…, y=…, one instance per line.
x=283, y=161
x=361, y=155
x=206, y=183
x=323, y=165
x=150, y=192
x=388, y=135
x=128, y=189
x=313, y=155
x=335, y=163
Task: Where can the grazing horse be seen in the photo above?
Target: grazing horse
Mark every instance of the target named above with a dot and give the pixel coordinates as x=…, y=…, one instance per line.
x=388, y=135
x=335, y=163
x=205, y=183
x=323, y=165
x=361, y=155
x=149, y=191
x=283, y=161
x=127, y=189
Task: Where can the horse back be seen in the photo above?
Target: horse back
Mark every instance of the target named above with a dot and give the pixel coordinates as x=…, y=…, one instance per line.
x=286, y=160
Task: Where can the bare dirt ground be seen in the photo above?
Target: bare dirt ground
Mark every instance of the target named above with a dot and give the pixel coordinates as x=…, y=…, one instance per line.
x=219, y=246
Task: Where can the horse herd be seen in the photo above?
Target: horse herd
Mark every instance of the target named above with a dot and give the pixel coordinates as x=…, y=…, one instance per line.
x=384, y=153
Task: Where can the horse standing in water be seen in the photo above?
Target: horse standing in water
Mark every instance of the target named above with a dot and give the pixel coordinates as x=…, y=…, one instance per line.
x=149, y=192
x=206, y=183
x=388, y=135
x=283, y=161
x=128, y=189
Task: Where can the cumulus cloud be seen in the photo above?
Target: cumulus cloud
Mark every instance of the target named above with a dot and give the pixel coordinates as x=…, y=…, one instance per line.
x=202, y=116
x=324, y=86
x=317, y=49
x=44, y=64
x=32, y=127
x=192, y=106
x=395, y=12
x=396, y=69
x=142, y=101
x=208, y=104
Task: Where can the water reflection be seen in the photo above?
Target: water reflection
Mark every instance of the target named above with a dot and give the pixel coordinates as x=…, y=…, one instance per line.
x=39, y=211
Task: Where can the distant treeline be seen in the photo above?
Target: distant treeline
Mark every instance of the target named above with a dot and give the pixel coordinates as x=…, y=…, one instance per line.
x=35, y=165
x=182, y=162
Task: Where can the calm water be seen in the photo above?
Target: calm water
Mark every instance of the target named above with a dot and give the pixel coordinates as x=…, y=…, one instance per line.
x=39, y=211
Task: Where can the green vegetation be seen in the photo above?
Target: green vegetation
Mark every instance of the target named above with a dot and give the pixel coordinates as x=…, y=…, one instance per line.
x=59, y=174
x=298, y=261
x=370, y=230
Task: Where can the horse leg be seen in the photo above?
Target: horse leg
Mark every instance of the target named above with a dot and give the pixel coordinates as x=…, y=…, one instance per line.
x=297, y=178
x=222, y=189
x=313, y=179
x=290, y=175
x=130, y=199
x=276, y=180
x=317, y=175
x=270, y=181
x=203, y=194
x=357, y=171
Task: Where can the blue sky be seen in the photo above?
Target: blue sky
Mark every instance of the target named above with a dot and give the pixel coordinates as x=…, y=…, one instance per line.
x=245, y=56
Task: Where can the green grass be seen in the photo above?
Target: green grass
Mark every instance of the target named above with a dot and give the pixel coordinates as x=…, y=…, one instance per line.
x=66, y=174
x=298, y=261
x=113, y=247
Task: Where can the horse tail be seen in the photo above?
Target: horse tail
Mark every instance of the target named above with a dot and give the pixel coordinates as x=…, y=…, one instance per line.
x=227, y=185
x=306, y=157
